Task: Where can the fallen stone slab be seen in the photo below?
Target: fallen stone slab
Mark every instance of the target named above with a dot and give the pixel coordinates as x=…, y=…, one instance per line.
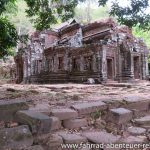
x=36, y=147
x=86, y=148
x=140, y=113
x=87, y=108
x=101, y=137
x=143, y=121
x=55, y=124
x=75, y=123
x=128, y=85
x=72, y=138
x=9, y=108
x=38, y=122
x=135, y=131
x=137, y=103
x=54, y=142
x=135, y=140
x=15, y=138
x=120, y=115
x=64, y=114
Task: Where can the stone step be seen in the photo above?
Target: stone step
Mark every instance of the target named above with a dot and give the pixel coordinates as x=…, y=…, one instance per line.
x=135, y=140
x=9, y=108
x=75, y=123
x=118, y=84
x=144, y=121
x=38, y=122
x=136, y=103
x=136, y=131
x=90, y=107
x=111, y=81
x=55, y=124
x=101, y=137
x=15, y=138
x=36, y=147
x=64, y=114
x=54, y=142
x=140, y=113
x=120, y=115
x=72, y=138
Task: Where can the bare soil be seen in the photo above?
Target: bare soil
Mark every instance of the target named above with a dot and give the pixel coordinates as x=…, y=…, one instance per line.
x=44, y=97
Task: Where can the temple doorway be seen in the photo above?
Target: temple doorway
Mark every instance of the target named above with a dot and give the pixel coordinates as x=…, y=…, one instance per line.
x=110, y=68
x=136, y=67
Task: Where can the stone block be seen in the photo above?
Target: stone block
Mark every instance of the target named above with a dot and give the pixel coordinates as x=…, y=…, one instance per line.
x=135, y=140
x=140, y=113
x=145, y=121
x=64, y=114
x=137, y=103
x=54, y=142
x=56, y=123
x=15, y=138
x=135, y=131
x=120, y=115
x=75, y=123
x=9, y=108
x=36, y=147
x=87, y=108
x=72, y=138
x=101, y=137
x=38, y=122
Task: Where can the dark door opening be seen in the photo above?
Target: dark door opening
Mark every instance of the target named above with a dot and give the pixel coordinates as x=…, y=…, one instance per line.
x=136, y=67
x=109, y=68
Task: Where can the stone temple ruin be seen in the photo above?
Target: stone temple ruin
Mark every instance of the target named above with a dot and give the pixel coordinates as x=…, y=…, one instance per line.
x=73, y=52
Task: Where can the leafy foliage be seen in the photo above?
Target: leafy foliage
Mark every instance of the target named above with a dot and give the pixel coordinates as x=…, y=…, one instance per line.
x=142, y=34
x=47, y=12
x=131, y=15
x=95, y=14
x=19, y=19
x=8, y=33
x=3, y=4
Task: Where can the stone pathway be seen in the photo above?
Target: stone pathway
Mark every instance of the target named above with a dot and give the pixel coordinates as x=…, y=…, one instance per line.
x=99, y=122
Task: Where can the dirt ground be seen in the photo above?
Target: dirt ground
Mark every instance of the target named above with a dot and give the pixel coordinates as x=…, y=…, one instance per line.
x=45, y=97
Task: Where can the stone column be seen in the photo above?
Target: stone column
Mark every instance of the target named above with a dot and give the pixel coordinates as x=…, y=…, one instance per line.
x=25, y=67
x=145, y=70
x=81, y=63
x=55, y=63
x=66, y=65
x=103, y=63
x=29, y=65
x=94, y=68
x=127, y=66
x=118, y=64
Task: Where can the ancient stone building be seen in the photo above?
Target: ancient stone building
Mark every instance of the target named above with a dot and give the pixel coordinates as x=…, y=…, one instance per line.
x=73, y=53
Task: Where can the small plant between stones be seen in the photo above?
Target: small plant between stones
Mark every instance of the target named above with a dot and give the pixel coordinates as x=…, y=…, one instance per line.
x=96, y=115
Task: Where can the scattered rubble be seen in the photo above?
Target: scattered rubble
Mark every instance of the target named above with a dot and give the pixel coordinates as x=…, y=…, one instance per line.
x=92, y=119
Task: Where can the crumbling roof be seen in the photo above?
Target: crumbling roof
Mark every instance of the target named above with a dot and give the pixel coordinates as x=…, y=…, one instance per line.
x=64, y=24
x=107, y=22
x=70, y=28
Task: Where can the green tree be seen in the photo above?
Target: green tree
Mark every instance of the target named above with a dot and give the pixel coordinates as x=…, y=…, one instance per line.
x=134, y=14
x=19, y=19
x=142, y=34
x=45, y=13
x=8, y=33
x=95, y=14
